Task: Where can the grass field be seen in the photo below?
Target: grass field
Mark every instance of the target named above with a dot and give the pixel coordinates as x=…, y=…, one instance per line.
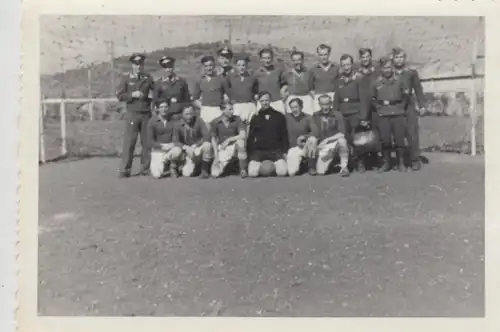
x=104, y=138
x=371, y=245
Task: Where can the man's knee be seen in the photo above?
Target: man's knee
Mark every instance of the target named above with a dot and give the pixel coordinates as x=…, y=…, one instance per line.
x=281, y=167
x=175, y=153
x=293, y=161
x=188, y=168
x=156, y=172
x=322, y=166
x=312, y=141
x=253, y=169
x=342, y=144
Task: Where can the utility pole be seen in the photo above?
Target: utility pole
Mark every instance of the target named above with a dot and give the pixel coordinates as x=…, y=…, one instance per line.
x=230, y=31
x=63, y=72
x=473, y=92
x=111, y=51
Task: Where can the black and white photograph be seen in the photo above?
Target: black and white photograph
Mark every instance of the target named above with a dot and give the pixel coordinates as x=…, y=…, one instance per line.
x=261, y=166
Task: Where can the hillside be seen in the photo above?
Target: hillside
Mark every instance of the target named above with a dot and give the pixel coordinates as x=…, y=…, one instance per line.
x=187, y=66
x=438, y=46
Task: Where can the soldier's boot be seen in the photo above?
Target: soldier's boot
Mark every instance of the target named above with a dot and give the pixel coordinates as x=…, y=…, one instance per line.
x=386, y=162
x=205, y=169
x=360, y=164
x=311, y=166
x=174, y=172
x=401, y=159
x=123, y=175
x=243, y=168
x=344, y=172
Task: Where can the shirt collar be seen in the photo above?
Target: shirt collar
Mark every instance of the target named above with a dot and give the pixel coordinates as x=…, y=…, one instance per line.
x=327, y=115
x=271, y=68
x=205, y=76
x=294, y=71
x=367, y=70
x=157, y=118
x=172, y=79
x=266, y=111
x=388, y=80
x=184, y=123
x=399, y=71
x=327, y=67
x=298, y=117
x=224, y=70
x=245, y=74
x=220, y=119
x=138, y=75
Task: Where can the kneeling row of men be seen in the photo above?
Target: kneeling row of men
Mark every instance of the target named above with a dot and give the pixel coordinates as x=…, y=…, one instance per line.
x=289, y=141
x=285, y=140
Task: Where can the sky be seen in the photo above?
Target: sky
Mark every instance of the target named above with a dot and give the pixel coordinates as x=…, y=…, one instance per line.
x=68, y=42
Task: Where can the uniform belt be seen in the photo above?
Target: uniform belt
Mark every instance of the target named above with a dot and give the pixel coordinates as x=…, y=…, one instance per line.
x=388, y=102
x=349, y=100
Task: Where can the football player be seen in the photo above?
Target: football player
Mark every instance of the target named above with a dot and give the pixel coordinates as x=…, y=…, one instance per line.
x=228, y=141
x=302, y=138
x=210, y=91
x=298, y=83
x=267, y=138
x=332, y=139
x=163, y=149
x=192, y=136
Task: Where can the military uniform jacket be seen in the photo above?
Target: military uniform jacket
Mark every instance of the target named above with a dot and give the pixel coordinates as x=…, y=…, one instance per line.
x=351, y=96
x=141, y=82
x=175, y=90
x=414, y=85
x=368, y=76
x=390, y=95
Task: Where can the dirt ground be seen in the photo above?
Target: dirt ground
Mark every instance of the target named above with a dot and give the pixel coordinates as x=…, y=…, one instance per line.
x=370, y=245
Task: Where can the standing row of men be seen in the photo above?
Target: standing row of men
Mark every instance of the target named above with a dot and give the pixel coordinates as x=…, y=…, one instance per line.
x=364, y=97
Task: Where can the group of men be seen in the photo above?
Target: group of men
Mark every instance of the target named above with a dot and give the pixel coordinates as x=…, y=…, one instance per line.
x=291, y=118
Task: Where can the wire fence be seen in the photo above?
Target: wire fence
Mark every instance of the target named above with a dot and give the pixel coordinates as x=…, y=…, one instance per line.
x=83, y=56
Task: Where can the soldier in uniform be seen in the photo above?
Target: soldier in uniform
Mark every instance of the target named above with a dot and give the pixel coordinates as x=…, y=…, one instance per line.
x=210, y=91
x=413, y=110
x=135, y=90
x=192, y=136
x=323, y=75
x=270, y=79
x=390, y=97
x=225, y=55
x=351, y=100
x=298, y=83
x=242, y=90
x=331, y=137
x=172, y=88
x=302, y=138
x=228, y=141
x=163, y=150
x=369, y=72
